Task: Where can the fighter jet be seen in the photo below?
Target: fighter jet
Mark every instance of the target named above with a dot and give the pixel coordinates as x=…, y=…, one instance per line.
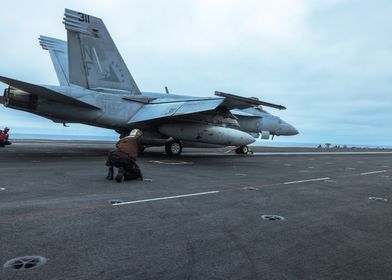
x=96, y=88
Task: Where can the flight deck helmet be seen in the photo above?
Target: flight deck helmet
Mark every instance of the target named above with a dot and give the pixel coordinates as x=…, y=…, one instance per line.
x=136, y=133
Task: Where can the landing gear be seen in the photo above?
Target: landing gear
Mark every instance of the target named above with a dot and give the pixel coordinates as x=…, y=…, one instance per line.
x=242, y=150
x=173, y=148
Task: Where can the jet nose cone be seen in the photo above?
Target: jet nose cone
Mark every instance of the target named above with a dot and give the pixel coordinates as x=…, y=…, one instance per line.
x=287, y=129
x=292, y=130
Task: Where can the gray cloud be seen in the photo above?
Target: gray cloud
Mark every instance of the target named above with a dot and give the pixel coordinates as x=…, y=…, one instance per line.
x=329, y=62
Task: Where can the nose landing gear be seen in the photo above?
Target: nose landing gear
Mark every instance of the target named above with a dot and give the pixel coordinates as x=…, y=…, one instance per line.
x=242, y=150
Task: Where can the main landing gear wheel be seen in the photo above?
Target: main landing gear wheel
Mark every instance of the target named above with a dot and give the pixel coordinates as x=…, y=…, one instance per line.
x=173, y=148
x=242, y=150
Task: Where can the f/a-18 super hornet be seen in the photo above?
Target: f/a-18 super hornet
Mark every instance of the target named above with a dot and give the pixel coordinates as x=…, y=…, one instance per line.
x=96, y=88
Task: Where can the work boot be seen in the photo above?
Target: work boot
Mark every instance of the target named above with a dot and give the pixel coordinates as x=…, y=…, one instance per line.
x=110, y=173
x=120, y=175
x=140, y=178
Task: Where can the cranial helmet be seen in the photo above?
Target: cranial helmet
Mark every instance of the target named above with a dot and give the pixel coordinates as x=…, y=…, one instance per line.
x=136, y=133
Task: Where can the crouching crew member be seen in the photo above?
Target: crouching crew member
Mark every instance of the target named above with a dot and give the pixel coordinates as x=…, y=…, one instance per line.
x=124, y=158
x=4, y=137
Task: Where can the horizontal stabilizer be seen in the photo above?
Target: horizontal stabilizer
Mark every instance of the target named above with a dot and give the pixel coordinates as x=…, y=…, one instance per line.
x=45, y=92
x=238, y=102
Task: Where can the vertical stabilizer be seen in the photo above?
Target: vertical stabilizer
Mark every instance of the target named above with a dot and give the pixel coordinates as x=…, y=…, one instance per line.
x=59, y=55
x=93, y=59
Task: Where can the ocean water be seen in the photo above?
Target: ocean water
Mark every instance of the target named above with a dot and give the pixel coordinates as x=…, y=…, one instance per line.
x=21, y=136
x=315, y=145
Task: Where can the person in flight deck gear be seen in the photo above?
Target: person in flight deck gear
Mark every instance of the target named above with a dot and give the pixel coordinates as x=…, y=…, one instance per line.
x=124, y=158
x=4, y=137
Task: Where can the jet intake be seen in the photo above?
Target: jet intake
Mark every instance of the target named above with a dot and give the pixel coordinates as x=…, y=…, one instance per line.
x=265, y=135
x=206, y=134
x=254, y=134
x=19, y=99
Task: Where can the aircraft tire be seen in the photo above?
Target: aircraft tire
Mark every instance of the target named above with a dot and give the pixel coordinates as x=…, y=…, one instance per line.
x=173, y=148
x=243, y=149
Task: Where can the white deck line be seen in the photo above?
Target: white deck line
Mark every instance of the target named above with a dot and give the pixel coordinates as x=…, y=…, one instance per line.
x=373, y=172
x=214, y=192
x=164, y=198
x=304, y=181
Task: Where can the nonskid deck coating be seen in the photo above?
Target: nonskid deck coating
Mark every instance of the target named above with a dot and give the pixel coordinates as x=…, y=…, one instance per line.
x=195, y=221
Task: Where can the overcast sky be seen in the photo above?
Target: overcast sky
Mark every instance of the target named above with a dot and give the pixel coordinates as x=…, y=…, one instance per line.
x=328, y=61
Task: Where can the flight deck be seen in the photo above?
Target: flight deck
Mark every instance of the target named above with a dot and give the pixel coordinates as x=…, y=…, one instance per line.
x=280, y=213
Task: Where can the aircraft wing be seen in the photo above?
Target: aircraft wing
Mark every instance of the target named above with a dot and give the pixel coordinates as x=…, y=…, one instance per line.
x=154, y=111
x=238, y=102
x=237, y=112
x=45, y=92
